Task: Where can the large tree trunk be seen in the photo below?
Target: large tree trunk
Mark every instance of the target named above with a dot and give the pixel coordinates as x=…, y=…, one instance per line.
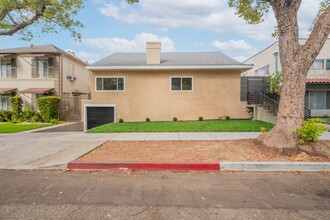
x=291, y=111
x=295, y=60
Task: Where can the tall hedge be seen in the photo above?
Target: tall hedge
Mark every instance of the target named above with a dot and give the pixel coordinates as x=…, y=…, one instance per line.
x=17, y=107
x=49, y=107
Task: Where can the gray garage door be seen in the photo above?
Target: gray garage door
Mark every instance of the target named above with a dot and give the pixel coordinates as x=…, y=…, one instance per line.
x=97, y=116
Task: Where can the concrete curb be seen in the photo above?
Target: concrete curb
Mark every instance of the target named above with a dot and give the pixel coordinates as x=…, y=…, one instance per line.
x=275, y=166
x=144, y=166
x=222, y=166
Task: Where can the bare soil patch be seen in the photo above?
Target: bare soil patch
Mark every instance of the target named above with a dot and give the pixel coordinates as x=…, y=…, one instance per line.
x=190, y=151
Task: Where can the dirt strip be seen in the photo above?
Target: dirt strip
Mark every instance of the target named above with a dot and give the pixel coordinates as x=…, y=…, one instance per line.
x=190, y=151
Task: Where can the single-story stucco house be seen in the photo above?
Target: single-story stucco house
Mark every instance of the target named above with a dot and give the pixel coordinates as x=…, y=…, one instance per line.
x=160, y=86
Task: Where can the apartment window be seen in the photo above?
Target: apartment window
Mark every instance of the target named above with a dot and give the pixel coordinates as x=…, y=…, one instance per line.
x=318, y=65
x=70, y=69
x=181, y=83
x=316, y=99
x=4, y=102
x=263, y=71
x=5, y=68
x=110, y=83
x=43, y=67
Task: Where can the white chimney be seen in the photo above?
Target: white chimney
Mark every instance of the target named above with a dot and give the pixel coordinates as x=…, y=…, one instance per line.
x=153, y=52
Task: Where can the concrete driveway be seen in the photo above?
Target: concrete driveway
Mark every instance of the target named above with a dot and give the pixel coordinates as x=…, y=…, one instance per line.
x=46, y=150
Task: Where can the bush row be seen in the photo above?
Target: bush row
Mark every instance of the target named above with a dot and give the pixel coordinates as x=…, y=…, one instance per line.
x=48, y=110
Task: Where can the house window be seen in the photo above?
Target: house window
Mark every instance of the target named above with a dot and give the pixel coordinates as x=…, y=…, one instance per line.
x=42, y=67
x=110, y=83
x=316, y=99
x=5, y=68
x=181, y=83
x=263, y=71
x=4, y=102
x=318, y=65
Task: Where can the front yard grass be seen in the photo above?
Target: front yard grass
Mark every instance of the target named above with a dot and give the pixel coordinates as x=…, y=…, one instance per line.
x=187, y=126
x=18, y=127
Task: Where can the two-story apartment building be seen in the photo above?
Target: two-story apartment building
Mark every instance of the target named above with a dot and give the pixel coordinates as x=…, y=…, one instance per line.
x=36, y=71
x=318, y=79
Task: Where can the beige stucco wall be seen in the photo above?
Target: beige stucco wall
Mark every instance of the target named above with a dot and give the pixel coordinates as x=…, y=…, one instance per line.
x=25, y=81
x=266, y=57
x=147, y=94
x=80, y=72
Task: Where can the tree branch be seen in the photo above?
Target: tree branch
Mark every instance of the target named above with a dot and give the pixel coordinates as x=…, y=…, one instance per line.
x=319, y=35
x=3, y=14
x=22, y=25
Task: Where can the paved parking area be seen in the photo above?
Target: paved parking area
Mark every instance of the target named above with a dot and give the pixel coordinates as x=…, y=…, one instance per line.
x=55, y=149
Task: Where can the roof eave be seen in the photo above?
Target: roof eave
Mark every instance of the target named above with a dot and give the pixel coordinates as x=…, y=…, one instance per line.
x=240, y=67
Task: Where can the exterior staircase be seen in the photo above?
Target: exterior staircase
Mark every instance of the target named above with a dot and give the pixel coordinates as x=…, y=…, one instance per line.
x=265, y=106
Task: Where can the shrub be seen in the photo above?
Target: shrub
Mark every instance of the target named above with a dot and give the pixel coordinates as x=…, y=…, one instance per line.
x=121, y=120
x=17, y=106
x=31, y=116
x=200, y=118
x=263, y=129
x=5, y=115
x=227, y=117
x=49, y=107
x=54, y=121
x=175, y=119
x=147, y=119
x=310, y=130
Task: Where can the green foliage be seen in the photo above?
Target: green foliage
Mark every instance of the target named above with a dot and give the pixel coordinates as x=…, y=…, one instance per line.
x=49, y=107
x=275, y=83
x=50, y=16
x=54, y=121
x=175, y=119
x=310, y=130
x=121, y=120
x=147, y=119
x=17, y=106
x=252, y=11
x=5, y=115
x=32, y=116
x=200, y=118
x=263, y=129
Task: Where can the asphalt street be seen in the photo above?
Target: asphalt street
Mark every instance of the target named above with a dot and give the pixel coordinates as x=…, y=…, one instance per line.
x=163, y=195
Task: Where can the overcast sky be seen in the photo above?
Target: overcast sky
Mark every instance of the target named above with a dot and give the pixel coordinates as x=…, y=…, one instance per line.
x=181, y=25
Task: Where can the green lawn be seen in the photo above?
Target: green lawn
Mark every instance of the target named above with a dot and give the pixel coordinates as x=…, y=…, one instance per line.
x=188, y=126
x=17, y=127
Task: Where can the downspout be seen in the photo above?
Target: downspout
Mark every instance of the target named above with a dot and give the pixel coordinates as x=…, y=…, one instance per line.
x=276, y=62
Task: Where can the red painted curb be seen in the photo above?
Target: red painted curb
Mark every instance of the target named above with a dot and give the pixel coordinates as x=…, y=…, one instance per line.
x=144, y=166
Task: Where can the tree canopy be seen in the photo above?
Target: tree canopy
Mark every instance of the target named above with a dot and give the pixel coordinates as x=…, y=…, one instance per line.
x=50, y=16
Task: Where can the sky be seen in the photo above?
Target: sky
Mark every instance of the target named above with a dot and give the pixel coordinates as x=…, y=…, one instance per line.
x=181, y=26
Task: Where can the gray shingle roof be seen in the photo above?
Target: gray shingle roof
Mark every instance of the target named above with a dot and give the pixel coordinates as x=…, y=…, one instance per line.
x=38, y=49
x=168, y=59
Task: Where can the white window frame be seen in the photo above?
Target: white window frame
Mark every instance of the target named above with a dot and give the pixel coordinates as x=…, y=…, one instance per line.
x=192, y=83
x=104, y=77
x=8, y=71
x=70, y=69
x=325, y=99
x=98, y=105
x=45, y=75
x=8, y=106
x=313, y=64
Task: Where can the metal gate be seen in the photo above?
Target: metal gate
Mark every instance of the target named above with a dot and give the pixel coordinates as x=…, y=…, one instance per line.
x=71, y=107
